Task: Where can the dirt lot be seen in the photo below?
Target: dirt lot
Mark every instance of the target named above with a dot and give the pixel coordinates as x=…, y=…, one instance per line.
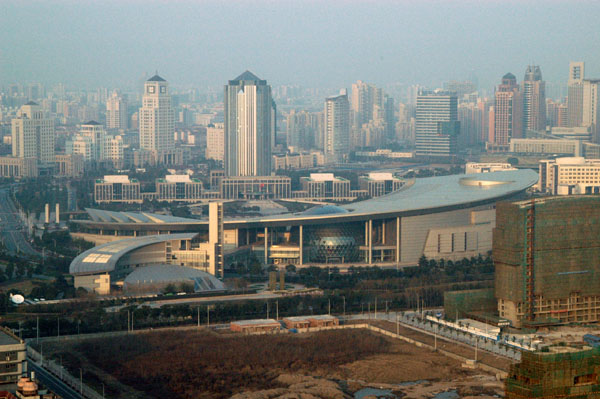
x=332, y=364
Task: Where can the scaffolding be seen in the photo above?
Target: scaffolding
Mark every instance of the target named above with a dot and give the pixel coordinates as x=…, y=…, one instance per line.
x=547, y=260
x=560, y=372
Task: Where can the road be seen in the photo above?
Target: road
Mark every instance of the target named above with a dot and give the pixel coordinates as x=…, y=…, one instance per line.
x=12, y=230
x=52, y=382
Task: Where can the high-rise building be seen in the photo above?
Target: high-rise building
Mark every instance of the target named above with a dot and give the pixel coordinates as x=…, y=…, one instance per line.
x=302, y=128
x=156, y=116
x=370, y=107
x=534, y=99
x=545, y=257
x=437, y=126
x=336, y=129
x=508, y=109
x=575, y=96
x=248, y=128
x=96, y=134
x=215, y=144
x=33, y=134
x=590, y=110
x=116, y=111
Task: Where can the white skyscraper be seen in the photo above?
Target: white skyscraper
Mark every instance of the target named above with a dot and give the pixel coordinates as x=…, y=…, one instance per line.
x=336, y=127
x=156, y=116
x=96, y=133
x=248, y=126
x=116, y=112
x=33, y=134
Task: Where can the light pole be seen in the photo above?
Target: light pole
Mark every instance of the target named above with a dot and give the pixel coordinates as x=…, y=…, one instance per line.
x=81, y=382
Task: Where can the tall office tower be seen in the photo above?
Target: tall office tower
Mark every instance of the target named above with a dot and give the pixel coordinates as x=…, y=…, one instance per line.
x=590, y=110
x=96, y=133
x=389, y=117
x=575, y=96
x=470, y=117
x=336, y=127
x=437, y=126
x=556, y=114
x=534, y=99
x=370, y=106
x=508, y=111
x=116, y=111
x=215, y=144
x=33, y=135
x=302, y=128
x=248, y=125
x=156, y=116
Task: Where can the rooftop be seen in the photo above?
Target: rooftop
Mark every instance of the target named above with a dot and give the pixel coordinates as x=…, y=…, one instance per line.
x=256, y=322
x=156, y=78
x=8, y=338
x=104, y=258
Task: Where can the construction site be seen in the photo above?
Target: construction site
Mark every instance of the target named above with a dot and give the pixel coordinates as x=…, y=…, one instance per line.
x=556, y=372
x=547, y=261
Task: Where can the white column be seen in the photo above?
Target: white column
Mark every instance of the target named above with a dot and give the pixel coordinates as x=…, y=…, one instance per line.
x=398, y=240
x=301, y=245
x=266, y=245
x=370, y=242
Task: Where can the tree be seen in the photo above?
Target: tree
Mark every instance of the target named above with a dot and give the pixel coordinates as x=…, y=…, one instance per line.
x=290, y=268
x=423, y=261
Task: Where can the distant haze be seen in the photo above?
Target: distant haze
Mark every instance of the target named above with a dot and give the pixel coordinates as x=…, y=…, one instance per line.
x=308, y=43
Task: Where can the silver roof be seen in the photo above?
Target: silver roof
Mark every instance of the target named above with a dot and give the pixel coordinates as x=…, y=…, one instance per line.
x=160, y=274
x=99, y=215
x=103, y=258
x=427, y=195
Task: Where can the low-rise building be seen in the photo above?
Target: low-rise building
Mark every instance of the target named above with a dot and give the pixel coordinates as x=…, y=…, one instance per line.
x=572, y=133
x=13, y=358
x=178, y=188
x=572, y=175
x=259, y=326
x=117, y=188
x=546, y=146
x=18, y=167
x=69, y=165
x=477, y=167
x=256, y=187
x=298, y=161
x=379, y=183
x=313, y=321
x=326, y=186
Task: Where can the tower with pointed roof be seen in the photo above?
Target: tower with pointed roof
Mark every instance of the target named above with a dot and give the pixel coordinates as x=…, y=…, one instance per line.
x=156, y=117
x=249, y=126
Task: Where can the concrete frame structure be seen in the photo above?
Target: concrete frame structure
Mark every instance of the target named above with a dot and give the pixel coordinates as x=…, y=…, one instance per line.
x=13, y=357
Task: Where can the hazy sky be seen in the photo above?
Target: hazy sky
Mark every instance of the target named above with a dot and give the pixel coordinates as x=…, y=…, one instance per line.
x=310, y=43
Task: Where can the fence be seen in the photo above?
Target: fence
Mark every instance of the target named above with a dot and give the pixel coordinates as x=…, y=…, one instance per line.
x=59, y=372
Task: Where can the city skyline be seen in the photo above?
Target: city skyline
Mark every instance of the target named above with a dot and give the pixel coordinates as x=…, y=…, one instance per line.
x=403, y=49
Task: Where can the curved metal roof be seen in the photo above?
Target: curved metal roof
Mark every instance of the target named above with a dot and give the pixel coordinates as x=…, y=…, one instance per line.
x=104, y=258
x=161, y=274
x=427, y=195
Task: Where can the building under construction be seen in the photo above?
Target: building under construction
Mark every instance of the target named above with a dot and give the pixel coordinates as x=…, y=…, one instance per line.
x=559, y=372
x=547, y=260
